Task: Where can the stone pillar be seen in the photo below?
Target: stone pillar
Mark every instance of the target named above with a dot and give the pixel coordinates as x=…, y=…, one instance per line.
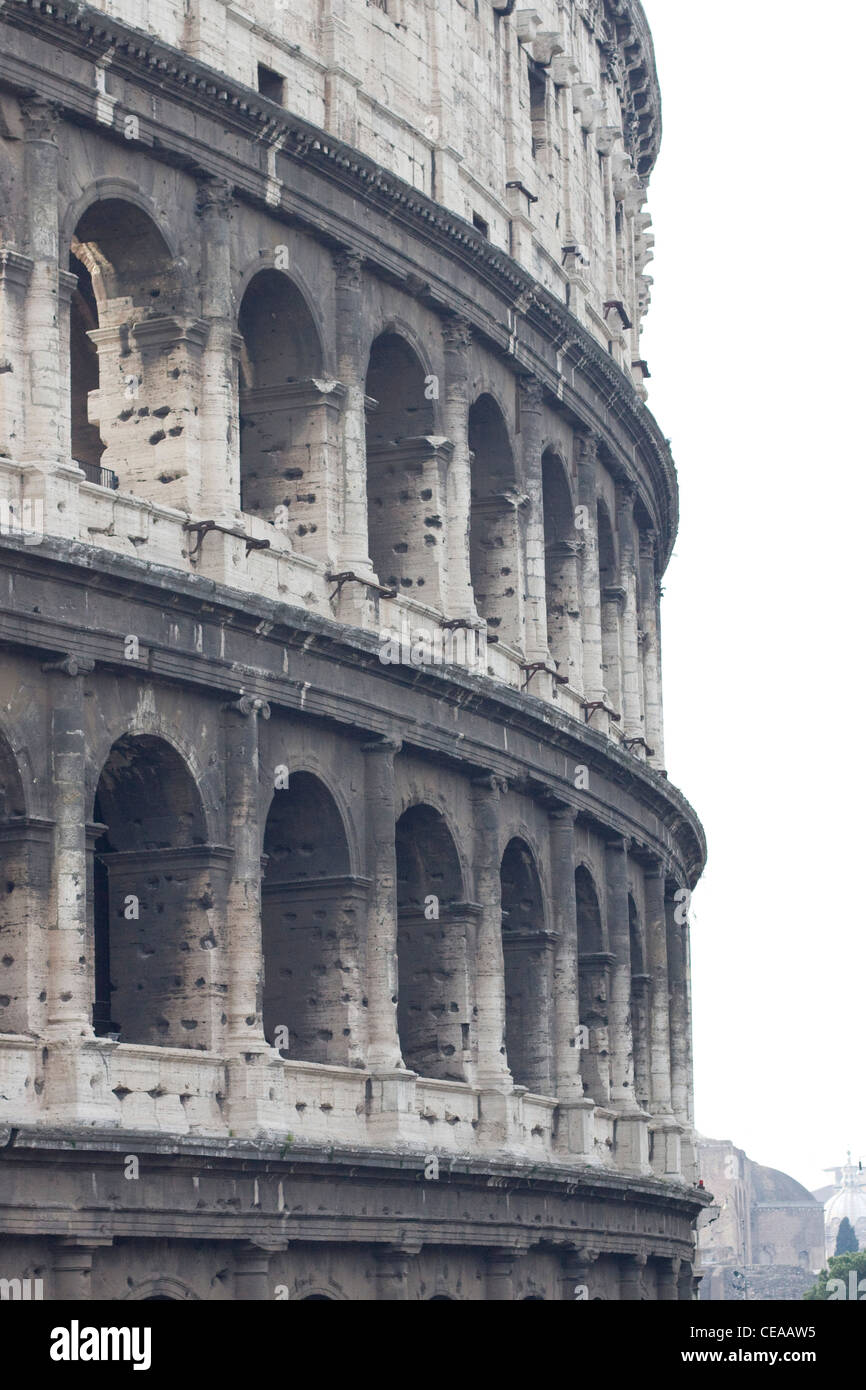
x=686, y=1283
x=632, y=680
x=383, y=1044
x=15, y=272
x=590, y=595
x=612, y=608
x=45, y=407
x=252, y=1274
x=679, y=1021
x=457, y=335
x=531, y=401
x=70, y=986
x=621, y=1043
x=640, y=986
x=651, y=647
x=493, y=1073
x=668, y=1273
x=220, y=471
x=631, y=1278
x=500, y=1275
x=575, y=1280
x=566, y=1039
x=244, y=1031
x=72, y=1267
x=392, y=1272
x=659, y=1003
x=355, y=554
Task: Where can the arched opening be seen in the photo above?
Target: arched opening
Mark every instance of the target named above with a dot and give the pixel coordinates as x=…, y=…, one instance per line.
x=17, y=853
x=432, y=948
x=158, y=965
x=312, y=918
x=494, y=530
x=594, y=988
x=528, y=956
x=406, y=473
x=560, y=567
x=284, y=417
x=640, y=982
x=132, y=415
x=612, y=604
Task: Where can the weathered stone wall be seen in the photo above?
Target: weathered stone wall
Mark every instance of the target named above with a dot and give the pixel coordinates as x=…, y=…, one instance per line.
x=280, y=435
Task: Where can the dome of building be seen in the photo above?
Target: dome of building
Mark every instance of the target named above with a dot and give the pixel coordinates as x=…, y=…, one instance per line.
x=848, y=1200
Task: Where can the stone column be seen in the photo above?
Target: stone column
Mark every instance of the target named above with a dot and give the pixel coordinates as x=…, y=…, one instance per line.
x=686, y=1283
x=70, y=985
x=531, y=401
x=46, y=408
x=500, y=1275
x=72, y=1268
x=621, y=1042
x=668, y=1273
x=15, y=272
x=679, y=1020
x=633, y=724
x=252, y=1274
x=631, y=1278
x=392, y=1272
x=640, y=1026
x=243, y=916
x=493, y=1073
x=612, y=607
x=659, y=1007
x=590, y=595
x=355, y=553
x=651, y=647
x=457, y=335
x=566, y=1050
x=383, y=1043
x=220, y=447
x=575, y=1280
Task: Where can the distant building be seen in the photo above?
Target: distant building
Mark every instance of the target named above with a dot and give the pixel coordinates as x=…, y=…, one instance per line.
x=767, y=1238
x=847, y=1197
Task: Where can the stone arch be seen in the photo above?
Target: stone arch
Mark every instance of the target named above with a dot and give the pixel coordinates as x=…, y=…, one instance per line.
x=494, y=527
x=162, y=1288
x=528, y=957
x=150, y=723
x=560, y=565
x=594, y=987
x=158, y=963
x=312, y=927
x=434, y=946
x=406, y=471
x=134, y=352
x=282, y=411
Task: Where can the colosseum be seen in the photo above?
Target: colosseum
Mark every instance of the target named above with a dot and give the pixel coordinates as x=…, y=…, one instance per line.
x=344, y=943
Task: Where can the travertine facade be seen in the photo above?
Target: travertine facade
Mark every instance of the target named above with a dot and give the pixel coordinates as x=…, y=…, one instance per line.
x=344, y=943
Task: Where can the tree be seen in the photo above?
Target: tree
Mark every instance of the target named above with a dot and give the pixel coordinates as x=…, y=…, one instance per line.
x=846, y=1240
x=838, y=1276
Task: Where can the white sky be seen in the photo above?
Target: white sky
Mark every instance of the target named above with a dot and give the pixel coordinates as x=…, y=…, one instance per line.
x=753, y=340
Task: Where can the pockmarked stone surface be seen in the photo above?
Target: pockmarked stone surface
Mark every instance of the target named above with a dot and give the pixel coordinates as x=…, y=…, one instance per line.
x=344, y=907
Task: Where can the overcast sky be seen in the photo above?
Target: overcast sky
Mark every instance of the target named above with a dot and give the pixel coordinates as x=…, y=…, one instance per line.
x=754, y=339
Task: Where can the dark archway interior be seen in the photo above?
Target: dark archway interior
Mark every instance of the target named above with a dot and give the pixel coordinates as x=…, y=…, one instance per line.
x=310, y=924
x=403, y=512
x=431, y=947
x=152, y=891
x=280, y=350
x=528, y=970
x=493, y=523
